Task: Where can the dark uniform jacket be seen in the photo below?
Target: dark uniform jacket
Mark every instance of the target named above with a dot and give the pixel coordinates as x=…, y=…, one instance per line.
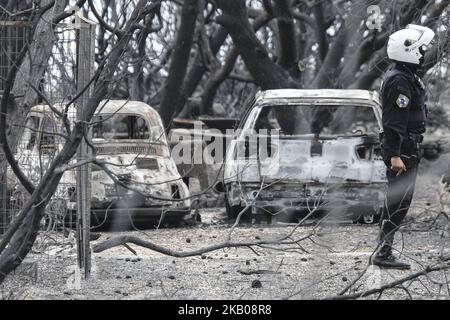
x=404, y=111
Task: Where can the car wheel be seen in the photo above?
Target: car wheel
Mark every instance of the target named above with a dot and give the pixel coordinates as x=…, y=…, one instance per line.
x=232, y=211
x=263, y=219
x=196, y=217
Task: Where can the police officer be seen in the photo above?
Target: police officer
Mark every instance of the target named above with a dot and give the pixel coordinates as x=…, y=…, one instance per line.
x=404, y=114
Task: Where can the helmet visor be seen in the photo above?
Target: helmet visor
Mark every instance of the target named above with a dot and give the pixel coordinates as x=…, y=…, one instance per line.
x=426, y=34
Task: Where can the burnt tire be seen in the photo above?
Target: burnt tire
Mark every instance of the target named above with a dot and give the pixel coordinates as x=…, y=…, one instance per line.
x=262, y=218
x=233, y=211
x=196, y=217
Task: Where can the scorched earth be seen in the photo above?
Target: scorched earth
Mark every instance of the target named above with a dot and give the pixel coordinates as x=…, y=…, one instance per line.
x=321, y=266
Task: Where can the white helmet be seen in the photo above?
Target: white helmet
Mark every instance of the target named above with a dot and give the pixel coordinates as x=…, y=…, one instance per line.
x=409, y=44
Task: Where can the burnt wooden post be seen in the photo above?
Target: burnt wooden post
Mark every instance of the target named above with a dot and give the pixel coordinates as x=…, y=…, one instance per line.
x=85, y=36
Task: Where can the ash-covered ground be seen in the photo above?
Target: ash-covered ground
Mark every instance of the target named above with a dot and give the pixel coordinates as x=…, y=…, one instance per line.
x=319, y=267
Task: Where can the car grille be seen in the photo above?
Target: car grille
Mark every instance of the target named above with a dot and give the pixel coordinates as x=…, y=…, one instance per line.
x=108, y=150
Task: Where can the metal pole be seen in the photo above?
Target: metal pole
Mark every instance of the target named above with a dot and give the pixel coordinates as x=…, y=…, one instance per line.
x=85, y=65
x=4, y=199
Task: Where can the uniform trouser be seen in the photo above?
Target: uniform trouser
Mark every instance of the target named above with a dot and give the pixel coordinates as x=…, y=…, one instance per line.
x=399, y=194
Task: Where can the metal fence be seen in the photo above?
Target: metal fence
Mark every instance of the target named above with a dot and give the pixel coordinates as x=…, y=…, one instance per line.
x=4, y=199
x=69, y=68
x=13, y=37
x=39, y=139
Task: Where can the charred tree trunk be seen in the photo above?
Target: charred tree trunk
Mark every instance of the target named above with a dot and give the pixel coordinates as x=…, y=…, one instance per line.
x=216, y=79
x=328, y=70
x=320, y=30
x=266, y=73
x=220, y=75
x=287, y=55
x=199, y=67
x=171, y=98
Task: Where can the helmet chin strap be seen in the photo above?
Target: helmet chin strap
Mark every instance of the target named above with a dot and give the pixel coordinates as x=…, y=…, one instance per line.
x=414, y=68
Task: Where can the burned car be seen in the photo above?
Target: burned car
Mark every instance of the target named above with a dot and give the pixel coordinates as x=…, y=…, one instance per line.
x=307, y=151
x=135, y=180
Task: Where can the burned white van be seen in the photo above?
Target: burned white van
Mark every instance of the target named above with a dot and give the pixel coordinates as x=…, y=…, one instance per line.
x=141, y=182
x=327, y=159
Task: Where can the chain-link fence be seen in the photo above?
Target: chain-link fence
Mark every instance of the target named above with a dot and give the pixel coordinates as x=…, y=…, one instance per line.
x=60, y=78
x=4, y=199
x=13, y=37
x=43, y=132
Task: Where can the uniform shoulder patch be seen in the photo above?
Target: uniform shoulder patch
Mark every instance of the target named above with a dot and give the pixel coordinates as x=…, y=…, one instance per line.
x=402, y=101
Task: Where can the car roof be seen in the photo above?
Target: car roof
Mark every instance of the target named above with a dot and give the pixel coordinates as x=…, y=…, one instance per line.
x=126, y=106
x=328, y=94
x=109, y=107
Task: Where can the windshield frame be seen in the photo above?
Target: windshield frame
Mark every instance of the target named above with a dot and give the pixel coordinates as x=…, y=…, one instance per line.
x=311, y=102
x=109, y=116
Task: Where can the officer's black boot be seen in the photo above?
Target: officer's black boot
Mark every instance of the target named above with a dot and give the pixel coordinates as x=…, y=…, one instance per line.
x=383, y=257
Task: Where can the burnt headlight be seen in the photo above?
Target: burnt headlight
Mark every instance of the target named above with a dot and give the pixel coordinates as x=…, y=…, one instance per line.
x=175, y=191
x=307, y=193
x=377, y=153
x=363, y=152
x=369, y=152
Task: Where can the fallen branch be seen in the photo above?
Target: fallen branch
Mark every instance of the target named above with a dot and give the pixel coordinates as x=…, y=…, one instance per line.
x=121, y=240
x=250, y=272
x=391, y=285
